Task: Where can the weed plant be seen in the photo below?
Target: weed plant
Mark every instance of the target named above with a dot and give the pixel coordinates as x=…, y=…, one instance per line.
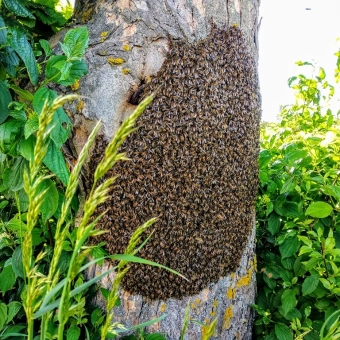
x=298, y=220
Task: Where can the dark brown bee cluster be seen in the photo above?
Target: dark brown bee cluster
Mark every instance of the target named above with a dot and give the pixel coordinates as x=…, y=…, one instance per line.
x=194, y=164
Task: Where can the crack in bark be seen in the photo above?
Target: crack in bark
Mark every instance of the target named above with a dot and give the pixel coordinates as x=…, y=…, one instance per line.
x=228, y=15
x=175, y=18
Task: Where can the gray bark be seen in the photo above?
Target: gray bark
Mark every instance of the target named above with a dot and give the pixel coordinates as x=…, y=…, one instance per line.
x=138, y=32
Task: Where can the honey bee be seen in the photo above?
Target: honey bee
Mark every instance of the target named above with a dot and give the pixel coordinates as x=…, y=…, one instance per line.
x=193, y=163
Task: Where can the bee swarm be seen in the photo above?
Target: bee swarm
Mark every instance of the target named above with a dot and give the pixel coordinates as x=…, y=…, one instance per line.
x=193, y=164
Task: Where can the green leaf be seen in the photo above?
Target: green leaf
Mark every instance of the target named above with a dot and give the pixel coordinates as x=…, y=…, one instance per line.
x=64, y=68
x=23, y=94
x=73, y=333
x=31, y=125
x=283, y=332
x=333, y=190
x=17, y=264
x=155, y=336
x=3, y=315
x=135, y=259
x=7, y=279
x=295, y=155
x=55, y=161
x=26, y=148
x=75, y=42
x=330, y=324
x=322, y=73
x=289, y=246
x=273, y=224
x=3, y=32
x=319, y=209
x=46, y=47
x=21, y=46
x=77, y=70
x=16, y=225
x=288, y=209
x=13, y=331
x=17, y=8
x=5, y=99
x=13, y=309
x=265, y=158
x=50, y=200
x=59, y=133
x=23, y=200
x=13, y=177
x=310, y=284
x=288, y=186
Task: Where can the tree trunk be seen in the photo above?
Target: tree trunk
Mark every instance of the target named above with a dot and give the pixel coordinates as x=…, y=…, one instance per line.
x=137, y=47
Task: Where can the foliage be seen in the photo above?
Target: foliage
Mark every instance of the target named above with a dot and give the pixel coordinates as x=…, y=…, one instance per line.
x=42, y=255
x=298, y=221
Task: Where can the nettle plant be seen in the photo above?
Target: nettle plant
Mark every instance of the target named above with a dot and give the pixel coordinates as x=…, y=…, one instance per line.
x=298, y=220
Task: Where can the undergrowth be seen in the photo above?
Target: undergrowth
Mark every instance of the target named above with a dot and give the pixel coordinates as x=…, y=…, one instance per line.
x=298, y=220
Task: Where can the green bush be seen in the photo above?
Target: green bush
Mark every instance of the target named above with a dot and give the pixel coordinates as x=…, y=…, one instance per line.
x=298, y=221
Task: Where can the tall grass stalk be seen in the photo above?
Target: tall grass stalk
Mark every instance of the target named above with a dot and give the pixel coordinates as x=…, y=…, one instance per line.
x=122, y=270
x=99, y=194
x=40, y=296
x=32, y=178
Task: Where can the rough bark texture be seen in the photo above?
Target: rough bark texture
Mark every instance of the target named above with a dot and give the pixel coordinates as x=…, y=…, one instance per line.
x=129, y=41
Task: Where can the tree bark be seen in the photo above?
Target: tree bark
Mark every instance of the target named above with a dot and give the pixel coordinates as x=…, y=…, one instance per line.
x=129, y=42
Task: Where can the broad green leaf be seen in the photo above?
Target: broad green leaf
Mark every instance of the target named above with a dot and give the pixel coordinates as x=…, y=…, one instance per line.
x=22, y=47
x=283, y=332
x=265, y=158
x=31, y=125
x=5, y=99
x=274, y=224
x=17, y=8
x=23, y=94
x=26, y=148
x=64, y=68
x=7, y=279
x=51, y=72
x=289, y=246
x=295, y=155
x=3, y=314
x=46, y=47
x=16, y=225
x=13, y=177
x=41, y=96
x=50, y=200
x=23, y=200
x=13, y=331
x=329, y=244
x=3, y=32
x=9, y=60
x=73, y=333
x=55, y=161
x=288, y=209
x=17, y=264
x=59, y=133
x=76, y=71
x=319, y=209
x=294, y=313
x=288, y=186
x=333, y=190
x=75, y=42
x=310, y=284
